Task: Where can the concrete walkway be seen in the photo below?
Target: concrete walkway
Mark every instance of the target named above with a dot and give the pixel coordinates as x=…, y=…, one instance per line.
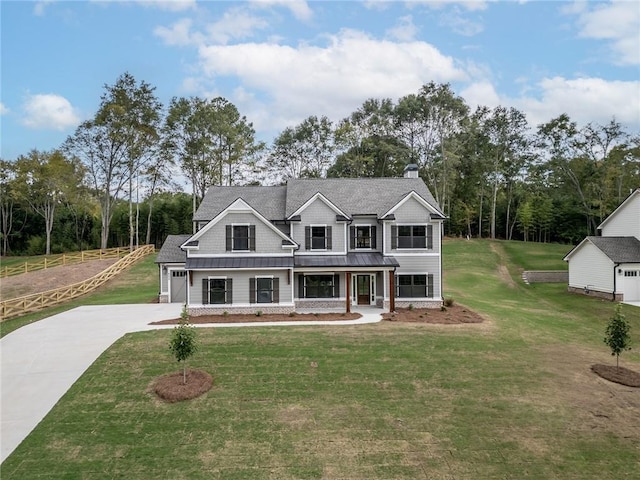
x=42, y=360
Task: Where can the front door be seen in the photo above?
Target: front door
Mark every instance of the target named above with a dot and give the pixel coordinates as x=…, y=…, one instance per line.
x=364, y=289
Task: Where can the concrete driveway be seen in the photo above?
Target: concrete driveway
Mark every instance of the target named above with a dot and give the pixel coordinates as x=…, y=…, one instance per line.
x=42, y=360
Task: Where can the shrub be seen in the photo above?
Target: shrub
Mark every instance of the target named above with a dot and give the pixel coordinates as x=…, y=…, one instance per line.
x=443, y=308
x=449, y=301
x=225, y=314
x=259, y=313
x=292, y=314
x=411, y=307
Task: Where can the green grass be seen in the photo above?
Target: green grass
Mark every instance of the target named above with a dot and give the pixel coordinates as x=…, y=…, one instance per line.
x=510, y=398
x=537, y=256
x=137, y=284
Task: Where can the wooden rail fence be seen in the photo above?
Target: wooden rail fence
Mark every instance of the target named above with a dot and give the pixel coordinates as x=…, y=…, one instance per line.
x=30, y=303
x=64, y=259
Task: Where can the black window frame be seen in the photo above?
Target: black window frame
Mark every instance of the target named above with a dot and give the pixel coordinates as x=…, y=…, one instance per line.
x=208, y=285
x=412, y=236
x=319, y=290
x=235, y=235
x=410, y=285
x=363, y=242
x=273, y=290
x=318, y=237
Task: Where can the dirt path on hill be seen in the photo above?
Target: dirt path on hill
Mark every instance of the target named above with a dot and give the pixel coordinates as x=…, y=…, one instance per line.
x=51, y=278
x=503, y=272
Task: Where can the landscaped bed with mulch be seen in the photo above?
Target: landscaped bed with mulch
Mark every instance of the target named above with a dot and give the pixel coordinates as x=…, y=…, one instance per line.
x=172, y=388
x=454, y=314
x=267, y=317
x=615, y=374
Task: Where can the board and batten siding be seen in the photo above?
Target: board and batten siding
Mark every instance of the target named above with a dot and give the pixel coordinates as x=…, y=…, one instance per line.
x=319, y=213
x=626, y=220
x=240, y=284
x=590, y=268
x=213, y=242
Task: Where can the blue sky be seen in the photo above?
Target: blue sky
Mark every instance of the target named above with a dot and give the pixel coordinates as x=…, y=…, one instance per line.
x=280, y=61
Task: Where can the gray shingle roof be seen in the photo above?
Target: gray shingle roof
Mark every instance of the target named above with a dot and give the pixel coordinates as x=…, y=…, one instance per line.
x=268, y=201
x=619, y=249
x=171, y=252
x=357, y=196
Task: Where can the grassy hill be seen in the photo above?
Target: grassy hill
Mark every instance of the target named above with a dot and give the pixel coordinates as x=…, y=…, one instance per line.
x=512, y=397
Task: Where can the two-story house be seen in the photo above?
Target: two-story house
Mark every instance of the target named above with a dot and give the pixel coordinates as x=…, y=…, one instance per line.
x=608, y=265
x=310, y=244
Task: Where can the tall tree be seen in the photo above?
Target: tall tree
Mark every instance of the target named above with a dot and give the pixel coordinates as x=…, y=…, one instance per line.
x=131, y=112
x=305, y=150
x=8, y=197
x=44, y=179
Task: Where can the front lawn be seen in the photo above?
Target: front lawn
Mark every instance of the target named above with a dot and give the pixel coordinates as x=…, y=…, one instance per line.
x=511, y=397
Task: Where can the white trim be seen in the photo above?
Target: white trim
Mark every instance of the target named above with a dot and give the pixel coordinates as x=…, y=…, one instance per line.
x=238, y=206
x=313, y=199
x=629, y=197
x=414, y=195
x=244, y=254
x=240, y=305
x=248, y=225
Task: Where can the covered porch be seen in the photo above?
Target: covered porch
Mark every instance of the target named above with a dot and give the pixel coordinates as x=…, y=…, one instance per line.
x=344, y=282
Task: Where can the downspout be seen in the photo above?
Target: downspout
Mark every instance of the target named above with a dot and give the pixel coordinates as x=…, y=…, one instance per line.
x=613, y=299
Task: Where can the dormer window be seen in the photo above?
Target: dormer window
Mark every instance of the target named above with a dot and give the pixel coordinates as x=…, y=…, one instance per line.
x=317, y=237
x=240, y=238
x=363, y=237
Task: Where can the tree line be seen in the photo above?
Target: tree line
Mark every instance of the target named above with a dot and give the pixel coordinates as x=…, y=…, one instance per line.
x=113, y=181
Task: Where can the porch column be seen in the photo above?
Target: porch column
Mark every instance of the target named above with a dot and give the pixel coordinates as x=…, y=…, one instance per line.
x=348, y=280
x=392, y=293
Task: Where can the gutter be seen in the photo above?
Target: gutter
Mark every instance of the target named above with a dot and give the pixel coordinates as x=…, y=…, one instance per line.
x=616, y=265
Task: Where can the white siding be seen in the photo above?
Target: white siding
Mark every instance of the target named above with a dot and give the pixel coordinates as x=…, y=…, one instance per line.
x=422, y=264
x=213, y=242
x=412, y=212
x=590, y=268
x=625, y=222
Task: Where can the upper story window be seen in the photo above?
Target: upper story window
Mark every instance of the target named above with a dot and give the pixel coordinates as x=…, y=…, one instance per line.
x=240, y=238
x=411, y=236
x=363, y=237
x=317, y=237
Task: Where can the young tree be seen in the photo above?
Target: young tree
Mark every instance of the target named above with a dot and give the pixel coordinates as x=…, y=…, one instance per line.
x=617, y=334
x=183, y=342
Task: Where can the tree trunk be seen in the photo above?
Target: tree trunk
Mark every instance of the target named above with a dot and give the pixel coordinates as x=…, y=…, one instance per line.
x=148, y=237
x=493, y=209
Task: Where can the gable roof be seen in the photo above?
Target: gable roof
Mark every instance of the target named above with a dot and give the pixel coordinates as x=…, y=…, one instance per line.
x=357, y=196
x=267, y=201
x=171, y=252
x=617, y=249
x=621, y=206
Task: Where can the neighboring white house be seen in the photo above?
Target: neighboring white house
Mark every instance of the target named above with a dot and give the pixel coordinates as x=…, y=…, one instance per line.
x=608, y=265
x=309, y=244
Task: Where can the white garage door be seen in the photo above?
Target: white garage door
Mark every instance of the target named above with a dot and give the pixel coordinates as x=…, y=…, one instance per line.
x=178, y=286
x=631, y=285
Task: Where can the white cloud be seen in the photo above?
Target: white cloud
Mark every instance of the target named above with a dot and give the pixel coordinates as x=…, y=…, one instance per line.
x=617, y=22
x=170, y=5
x=299, y=8
x=332, y=80
x=39, y=7
x=584, y=100
x=404, y=30
x=460, y=24
x=471, y=5
x=3, y=109
x=236, y=23
x=179, y=33
x=49, y=111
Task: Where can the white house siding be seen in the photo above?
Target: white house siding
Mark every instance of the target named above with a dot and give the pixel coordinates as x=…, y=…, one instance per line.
x=626, y=220
x=590, y=269
x=422, y=264
x=213, y=242
x=241, y=288
x=165, y=278
x=319, y=213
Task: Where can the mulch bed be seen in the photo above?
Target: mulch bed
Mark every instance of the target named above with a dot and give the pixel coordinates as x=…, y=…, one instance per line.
x=455, y=314
x=171, y=388
x=615, y=374
x=267, y=317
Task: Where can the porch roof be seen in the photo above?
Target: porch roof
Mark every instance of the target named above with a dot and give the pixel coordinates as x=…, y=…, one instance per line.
x=207, y=263
x=350, y=260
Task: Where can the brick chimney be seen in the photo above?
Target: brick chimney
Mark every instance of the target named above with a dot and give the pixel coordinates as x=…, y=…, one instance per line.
x=411, y=171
